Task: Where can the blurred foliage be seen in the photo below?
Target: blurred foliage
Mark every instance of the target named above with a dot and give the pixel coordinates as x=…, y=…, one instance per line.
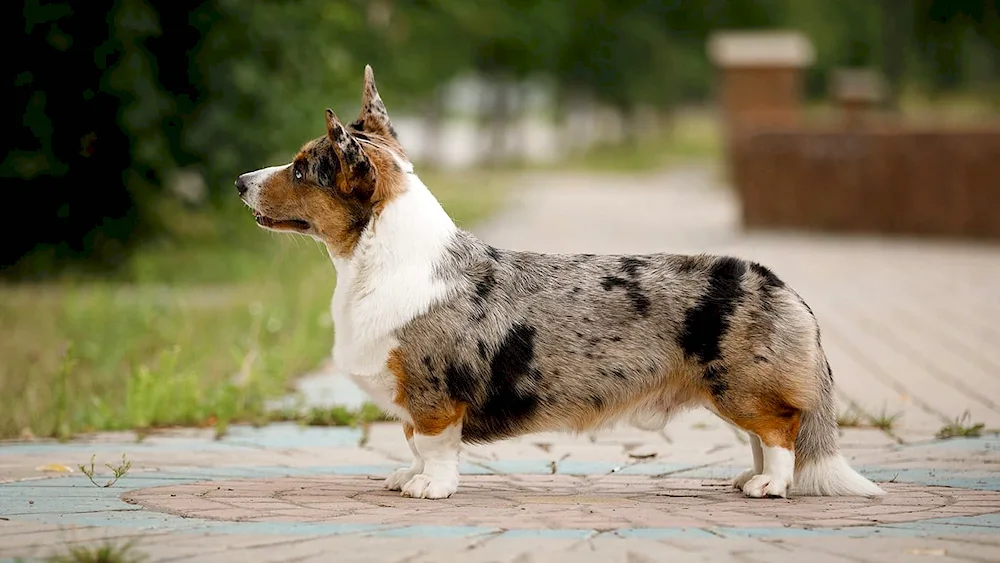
x=112, y=98
x=217, y=317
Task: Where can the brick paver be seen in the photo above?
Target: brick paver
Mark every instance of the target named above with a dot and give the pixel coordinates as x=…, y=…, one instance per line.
x=908, y=326
x=553, y=502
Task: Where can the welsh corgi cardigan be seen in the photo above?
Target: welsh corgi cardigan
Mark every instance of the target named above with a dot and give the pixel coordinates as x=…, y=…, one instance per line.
x=465, y=342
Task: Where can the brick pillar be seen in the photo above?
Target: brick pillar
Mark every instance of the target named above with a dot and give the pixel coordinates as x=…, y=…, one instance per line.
x=759, y=86
x=856, y=91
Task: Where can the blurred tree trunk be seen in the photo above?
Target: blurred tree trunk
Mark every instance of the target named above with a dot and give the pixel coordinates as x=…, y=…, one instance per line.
x=434, y=128
x=897, y=23
x=496, y=116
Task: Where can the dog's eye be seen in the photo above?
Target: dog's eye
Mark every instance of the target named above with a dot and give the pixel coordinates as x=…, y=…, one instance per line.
x=298, y=174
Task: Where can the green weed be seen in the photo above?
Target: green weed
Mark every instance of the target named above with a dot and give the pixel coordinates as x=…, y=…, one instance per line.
x=962, y=427
x=884, y=420
x=117, y=471
x=106, y=552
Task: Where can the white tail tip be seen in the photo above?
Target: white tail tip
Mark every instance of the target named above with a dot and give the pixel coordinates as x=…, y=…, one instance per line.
x=832, y=476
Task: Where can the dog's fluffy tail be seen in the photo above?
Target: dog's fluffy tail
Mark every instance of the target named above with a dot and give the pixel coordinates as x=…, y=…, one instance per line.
x=832, y=476
x=819, y=467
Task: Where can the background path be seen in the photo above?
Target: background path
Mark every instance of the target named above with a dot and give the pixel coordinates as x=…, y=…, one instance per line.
x=909, y=327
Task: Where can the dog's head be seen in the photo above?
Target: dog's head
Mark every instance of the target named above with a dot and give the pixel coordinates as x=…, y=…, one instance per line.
x=337, y=183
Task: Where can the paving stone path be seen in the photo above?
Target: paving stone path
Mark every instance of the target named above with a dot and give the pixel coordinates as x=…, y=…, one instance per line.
x=908, y=325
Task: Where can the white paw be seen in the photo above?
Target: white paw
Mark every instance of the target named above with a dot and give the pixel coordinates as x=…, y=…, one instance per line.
x=765, y=485
x=742, y=479
x=399, y=478
x=423, y=486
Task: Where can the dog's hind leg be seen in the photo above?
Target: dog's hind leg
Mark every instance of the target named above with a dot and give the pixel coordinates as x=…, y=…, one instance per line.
x=401, y=476
x=777, y=432
x=769, y=417
x=758, y=463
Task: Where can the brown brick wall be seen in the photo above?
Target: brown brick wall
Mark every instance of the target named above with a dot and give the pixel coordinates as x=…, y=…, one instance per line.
x=892, y=181
x=760, y=96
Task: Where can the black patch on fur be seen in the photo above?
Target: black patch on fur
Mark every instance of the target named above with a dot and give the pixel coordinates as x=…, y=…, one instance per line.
x=435, y=381
x=706, y=323
x=597, y=402
x=428, y=364
x=771, y=281
x=619, y=373
x=631, y=265
x=761, y=359
x=360, y=168
x=616, y=338
x=632, y=290
x=576, y=290
x=688, y=264
x=461, y=382
x=715, y=379
x=493, y=253
x=481, y=347
x=511, y=397
x=325, y=166
x=360, y=218
x=486, y=284
x=611, y=282
x=483, y=287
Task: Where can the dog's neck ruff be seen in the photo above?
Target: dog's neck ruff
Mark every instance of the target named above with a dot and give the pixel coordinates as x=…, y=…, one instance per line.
x=390, y=278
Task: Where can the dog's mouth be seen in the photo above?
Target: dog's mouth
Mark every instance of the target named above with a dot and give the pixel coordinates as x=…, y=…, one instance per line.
x=280, y=224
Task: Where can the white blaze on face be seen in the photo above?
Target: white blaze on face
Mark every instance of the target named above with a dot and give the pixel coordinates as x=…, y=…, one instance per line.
x=254, y=180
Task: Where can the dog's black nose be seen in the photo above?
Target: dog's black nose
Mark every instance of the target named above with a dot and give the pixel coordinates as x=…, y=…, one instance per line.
x=241, y=185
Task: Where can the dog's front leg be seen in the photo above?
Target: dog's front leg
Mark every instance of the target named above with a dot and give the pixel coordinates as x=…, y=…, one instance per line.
x=758, y=463
x=402, y=476
x=439, y=478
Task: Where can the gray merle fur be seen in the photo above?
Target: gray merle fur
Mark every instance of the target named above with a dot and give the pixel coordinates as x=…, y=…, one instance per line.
x=533, y=342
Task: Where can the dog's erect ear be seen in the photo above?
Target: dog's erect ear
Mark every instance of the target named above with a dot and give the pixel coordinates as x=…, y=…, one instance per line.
x=357, y=173
x=374, y=118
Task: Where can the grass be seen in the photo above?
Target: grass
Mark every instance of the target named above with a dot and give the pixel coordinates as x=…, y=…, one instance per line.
x=106, y=552
x=342, y=416
x=333, y=416
x=199, y=328
x=962, y=427
x=885, y=421
x=851, y=418
x=856, y=417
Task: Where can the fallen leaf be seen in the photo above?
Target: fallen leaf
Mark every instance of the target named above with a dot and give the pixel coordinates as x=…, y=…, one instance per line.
x=54, y=468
